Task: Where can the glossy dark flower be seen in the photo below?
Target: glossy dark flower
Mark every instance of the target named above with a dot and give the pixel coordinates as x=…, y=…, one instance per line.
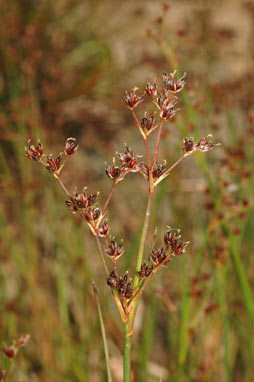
x=92, y=214
x=103, y=229
x=112, y=280
x=158, y=256
x=34, y=152
x=127, y=158
x=71, y=205
x=129, y=161
x=167, y=107
x=171, y=238
x=54, y=165
x=151, y=90
x=70, y=146
x=132, y=99
x=172, y=84
x=114, y=250
x=84, y=201
x=145, y=270
x=179, y=248
x=114, y=172
x=157, y=170
x=147, y=123
x=125, y=287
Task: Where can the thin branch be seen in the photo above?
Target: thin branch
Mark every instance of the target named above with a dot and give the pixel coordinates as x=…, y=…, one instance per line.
x=63, y=186
x=138, y=124
x=168, y=171
x=148, y=154
x=158, y=142
x=102, y=254
x=108, y=199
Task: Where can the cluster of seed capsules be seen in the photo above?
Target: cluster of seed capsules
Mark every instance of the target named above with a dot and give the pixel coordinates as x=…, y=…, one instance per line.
x=123, y=284
x=54, y=166
x=85, y=204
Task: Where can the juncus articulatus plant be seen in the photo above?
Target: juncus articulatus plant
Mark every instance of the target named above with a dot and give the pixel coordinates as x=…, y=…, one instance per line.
x=125, y=290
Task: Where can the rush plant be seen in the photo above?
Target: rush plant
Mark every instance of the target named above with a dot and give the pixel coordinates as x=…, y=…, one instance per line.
x=125, y=291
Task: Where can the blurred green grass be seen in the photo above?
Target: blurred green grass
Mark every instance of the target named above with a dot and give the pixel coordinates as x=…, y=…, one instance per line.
x=62, y=73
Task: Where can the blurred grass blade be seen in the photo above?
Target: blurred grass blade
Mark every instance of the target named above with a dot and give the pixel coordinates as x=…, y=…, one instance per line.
x=103, y=332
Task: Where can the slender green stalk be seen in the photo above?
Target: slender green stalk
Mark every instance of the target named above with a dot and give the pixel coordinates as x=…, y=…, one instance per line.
x=127, y=356
x=103, y=332
x=143, y=237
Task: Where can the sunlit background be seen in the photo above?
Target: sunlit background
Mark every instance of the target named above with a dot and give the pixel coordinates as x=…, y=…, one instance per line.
x=64, y=68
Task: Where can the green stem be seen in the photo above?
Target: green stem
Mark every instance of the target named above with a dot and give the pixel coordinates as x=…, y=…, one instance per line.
x=127, y=356
x=143, y=238
x=103, y=332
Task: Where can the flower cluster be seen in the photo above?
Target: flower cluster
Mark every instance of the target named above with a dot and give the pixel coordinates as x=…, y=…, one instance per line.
x=204, y=145
x=114, y=250
x=122, y=284
x=129, y=163
x=172, y=84
x=54, y=166
x=172, y=241
x=34, y=152
x=132, y=99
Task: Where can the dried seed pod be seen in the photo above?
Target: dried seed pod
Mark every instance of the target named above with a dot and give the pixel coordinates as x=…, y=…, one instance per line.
x=127, y=158
x=172, y=84
x=114, y=250
x=112, y=280
x=125, y=287
x=34, y=152
x=70, y=146
x=84, y=201
x=158, y=170
x=145, y=270
x=147, y=123
x=92, y=214
x=103, y=229
x=71, y=205
x=53, y=165
x=158, y=256
x=113, y=172
x=167, y=107
x=171, y=238
x=179, y=248
x=151, y=90
x=132, y=100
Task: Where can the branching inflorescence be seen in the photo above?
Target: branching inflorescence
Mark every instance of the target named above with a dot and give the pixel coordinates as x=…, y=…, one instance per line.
x=126, y=292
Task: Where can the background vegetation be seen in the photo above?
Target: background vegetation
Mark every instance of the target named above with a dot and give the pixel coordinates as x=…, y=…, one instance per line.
x=64, y=68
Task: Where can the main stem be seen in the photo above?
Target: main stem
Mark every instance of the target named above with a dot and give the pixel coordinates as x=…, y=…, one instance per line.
x=130, y=323
x=127, y=356
x=143, y=237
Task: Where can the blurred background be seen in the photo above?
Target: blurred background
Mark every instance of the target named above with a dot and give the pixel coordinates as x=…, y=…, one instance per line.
x=64, y=68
